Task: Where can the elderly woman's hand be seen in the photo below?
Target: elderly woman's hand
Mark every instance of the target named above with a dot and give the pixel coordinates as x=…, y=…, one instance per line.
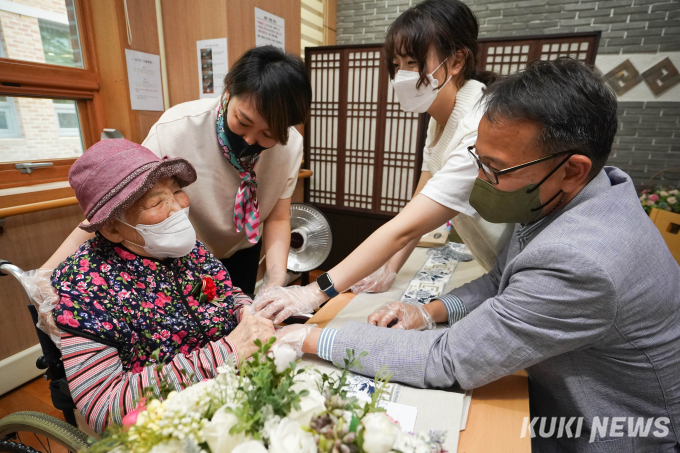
x=248, y=330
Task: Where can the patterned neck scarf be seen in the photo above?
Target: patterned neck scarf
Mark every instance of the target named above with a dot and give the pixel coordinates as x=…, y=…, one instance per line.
x=246, y=208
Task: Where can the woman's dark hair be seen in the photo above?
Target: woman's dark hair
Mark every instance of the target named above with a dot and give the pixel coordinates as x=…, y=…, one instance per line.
x=573, y=104
x=448, y=25
x=278, y=85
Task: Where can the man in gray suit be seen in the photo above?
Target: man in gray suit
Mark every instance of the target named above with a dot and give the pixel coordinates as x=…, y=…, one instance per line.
x=585, y=297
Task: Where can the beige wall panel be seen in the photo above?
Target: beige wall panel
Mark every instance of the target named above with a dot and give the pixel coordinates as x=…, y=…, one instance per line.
x=184, y=23
x=28, y=241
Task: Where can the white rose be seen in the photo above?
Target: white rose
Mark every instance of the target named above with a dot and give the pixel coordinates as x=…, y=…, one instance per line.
x=310, y=405
x=252, y=446
x=288, y=437
x=216, y=432
x=671, y=200
x=380, y=432
x=283, y=355
x=663, y=193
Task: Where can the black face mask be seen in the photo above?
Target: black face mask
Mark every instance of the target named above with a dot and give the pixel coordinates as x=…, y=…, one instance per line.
x=239, y=146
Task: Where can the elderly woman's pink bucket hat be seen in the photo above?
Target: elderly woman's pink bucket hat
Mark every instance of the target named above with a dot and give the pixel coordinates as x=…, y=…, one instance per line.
x=113, y=174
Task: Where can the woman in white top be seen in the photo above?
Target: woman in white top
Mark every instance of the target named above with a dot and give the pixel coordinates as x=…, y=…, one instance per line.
x=247, y=156
x=431, y=56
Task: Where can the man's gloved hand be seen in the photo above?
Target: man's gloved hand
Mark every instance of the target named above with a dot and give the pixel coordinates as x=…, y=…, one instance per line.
x=402, y=315
x=377, y=282
x=293, y=336
x=279, y=304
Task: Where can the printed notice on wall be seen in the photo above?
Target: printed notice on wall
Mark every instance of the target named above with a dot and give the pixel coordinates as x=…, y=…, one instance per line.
x=269, y=29
x=213, y=65
x=144, y=78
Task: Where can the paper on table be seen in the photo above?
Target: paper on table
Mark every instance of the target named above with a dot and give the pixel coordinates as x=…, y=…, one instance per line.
x=405, y=415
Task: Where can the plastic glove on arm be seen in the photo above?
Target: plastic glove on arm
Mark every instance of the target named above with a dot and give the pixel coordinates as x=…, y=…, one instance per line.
x=379, y=281
x=402, y=315
x=279, y=303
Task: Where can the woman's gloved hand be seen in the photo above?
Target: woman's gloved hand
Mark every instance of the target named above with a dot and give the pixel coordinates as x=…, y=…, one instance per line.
x=402, y=315
x=279, y=304
x=293, y=336
x=377, y=282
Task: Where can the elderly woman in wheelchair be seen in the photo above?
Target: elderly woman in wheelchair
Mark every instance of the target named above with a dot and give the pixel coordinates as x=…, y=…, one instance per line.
x=143, y=291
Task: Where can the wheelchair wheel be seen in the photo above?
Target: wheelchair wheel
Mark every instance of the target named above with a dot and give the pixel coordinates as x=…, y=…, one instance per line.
x=28, y=432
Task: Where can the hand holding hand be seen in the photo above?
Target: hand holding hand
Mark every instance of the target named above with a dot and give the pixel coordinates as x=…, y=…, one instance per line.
x=280, y=303
x=247, y=331
x=377, y=282
x=402, y=315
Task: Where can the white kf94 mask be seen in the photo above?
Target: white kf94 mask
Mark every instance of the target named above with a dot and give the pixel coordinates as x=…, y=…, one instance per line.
x=411, y=98
x=174, y=237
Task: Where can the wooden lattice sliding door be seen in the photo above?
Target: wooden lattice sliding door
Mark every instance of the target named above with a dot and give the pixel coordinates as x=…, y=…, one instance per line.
x=508, y=55
x=365, y=152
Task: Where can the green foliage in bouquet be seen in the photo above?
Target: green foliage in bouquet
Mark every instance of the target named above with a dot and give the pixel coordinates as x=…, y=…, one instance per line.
x=254, y=404
x=267, y=388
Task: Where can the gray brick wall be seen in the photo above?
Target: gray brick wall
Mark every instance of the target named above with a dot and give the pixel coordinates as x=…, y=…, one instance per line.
x=648, y=141
x=628, y=26
x=649, y=137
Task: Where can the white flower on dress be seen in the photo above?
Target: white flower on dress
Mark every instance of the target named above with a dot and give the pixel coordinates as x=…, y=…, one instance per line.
x=216, y=432
x=310, y=405
x=288, y=437
x=252, y=446
x=380, y=433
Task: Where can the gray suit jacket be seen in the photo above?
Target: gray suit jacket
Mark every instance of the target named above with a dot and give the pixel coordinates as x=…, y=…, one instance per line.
x=590, y=307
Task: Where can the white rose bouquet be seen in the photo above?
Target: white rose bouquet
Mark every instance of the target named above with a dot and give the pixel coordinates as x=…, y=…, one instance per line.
x=265, y=407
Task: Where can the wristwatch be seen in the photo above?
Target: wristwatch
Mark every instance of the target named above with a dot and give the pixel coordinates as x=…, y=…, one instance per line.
x=326, y=285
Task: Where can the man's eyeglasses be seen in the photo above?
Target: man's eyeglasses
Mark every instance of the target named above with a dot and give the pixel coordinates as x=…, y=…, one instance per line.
x=492, y=174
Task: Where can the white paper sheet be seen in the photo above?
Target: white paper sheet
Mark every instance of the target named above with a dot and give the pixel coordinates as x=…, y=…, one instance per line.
x=269, y=29
x=213, y=65
x=405, y=415
x=144, y=80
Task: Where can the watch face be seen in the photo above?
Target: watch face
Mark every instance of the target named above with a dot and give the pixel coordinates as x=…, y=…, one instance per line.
x=324, y=281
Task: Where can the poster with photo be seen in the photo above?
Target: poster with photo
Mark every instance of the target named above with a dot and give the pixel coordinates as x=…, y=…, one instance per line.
x=213, y=65
x=269, y=29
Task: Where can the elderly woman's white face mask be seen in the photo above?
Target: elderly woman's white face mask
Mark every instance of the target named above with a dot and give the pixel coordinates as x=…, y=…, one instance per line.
x=172, y=238
x=157, y=225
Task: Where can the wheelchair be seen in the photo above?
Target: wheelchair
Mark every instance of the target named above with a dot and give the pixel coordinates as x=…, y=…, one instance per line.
x=28, y=432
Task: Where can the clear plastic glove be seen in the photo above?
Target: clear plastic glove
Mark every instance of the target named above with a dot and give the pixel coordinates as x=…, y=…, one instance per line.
x=272, y=279
x=38, y=285
x=293, y=336
x=377, y=282
x=402, y=315
x=279, y=304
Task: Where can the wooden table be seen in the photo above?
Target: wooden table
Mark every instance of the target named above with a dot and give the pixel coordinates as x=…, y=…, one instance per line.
x=497, y=410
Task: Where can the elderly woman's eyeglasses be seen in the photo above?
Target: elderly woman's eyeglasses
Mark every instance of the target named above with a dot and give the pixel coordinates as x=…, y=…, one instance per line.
x=492, y=174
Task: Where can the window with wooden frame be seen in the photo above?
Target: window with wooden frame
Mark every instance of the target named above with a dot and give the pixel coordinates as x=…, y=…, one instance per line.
x=50, y=109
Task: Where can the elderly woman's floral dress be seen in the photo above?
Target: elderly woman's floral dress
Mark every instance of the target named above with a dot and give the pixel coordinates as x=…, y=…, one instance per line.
x=122, y=313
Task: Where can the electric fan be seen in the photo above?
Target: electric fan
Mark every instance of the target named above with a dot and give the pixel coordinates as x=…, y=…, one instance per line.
x=310, y=239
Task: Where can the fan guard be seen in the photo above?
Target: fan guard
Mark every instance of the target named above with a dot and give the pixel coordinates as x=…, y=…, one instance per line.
x=310, y=238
